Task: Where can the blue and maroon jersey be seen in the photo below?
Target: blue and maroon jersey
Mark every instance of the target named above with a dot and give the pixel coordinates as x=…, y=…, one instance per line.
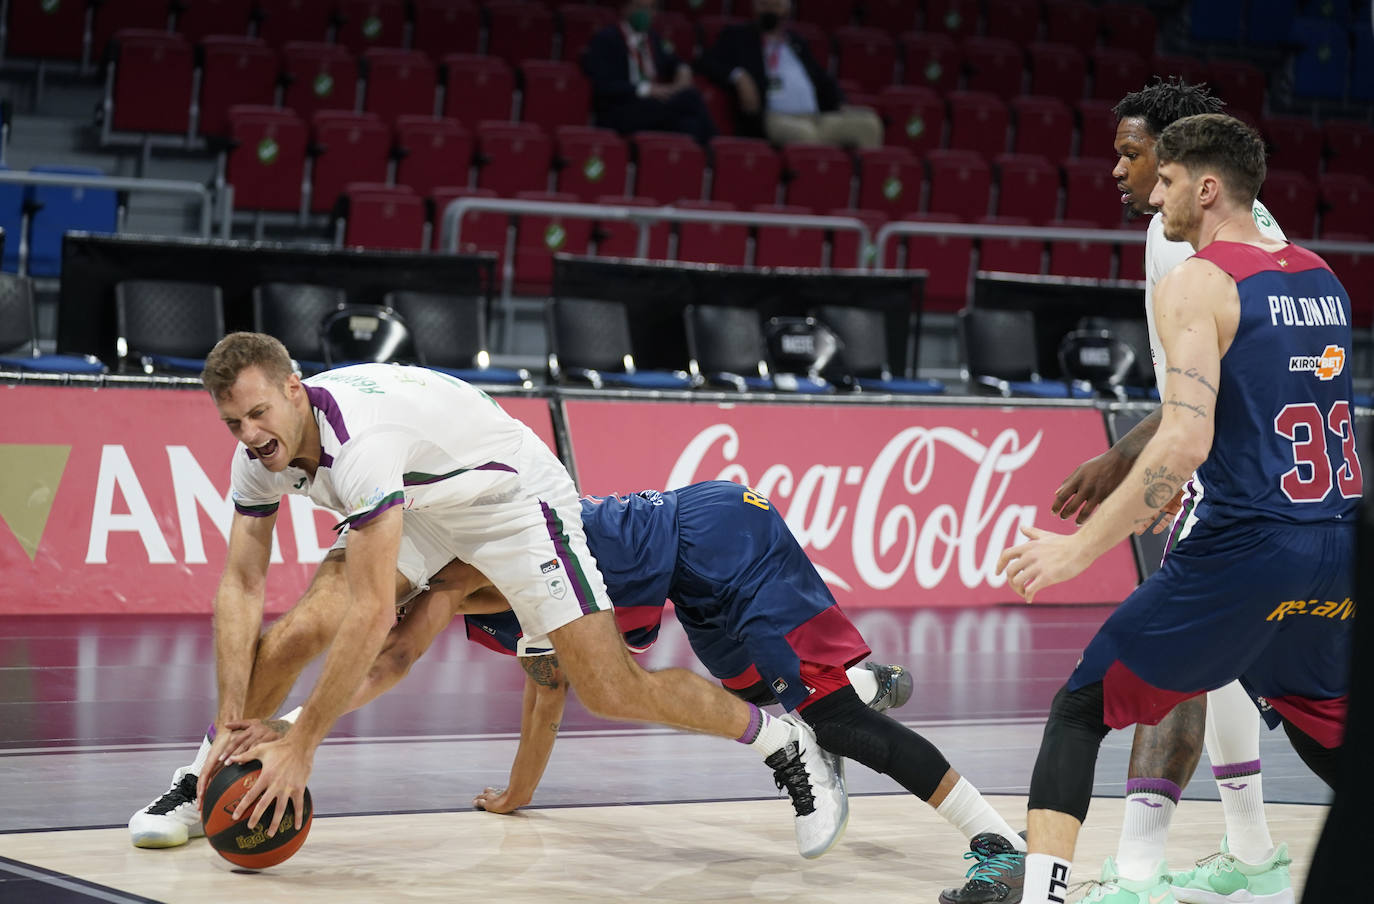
x=1284, y=446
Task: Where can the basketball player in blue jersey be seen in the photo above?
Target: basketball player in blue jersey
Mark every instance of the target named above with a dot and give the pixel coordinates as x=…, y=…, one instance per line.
x=1258, y=403
x=1250, y=867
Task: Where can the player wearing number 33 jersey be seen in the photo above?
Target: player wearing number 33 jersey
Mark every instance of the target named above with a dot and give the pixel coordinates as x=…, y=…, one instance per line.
x=1266, y=564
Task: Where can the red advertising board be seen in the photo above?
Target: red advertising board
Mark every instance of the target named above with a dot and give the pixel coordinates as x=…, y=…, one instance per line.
x=116, y=500
x=896, y=507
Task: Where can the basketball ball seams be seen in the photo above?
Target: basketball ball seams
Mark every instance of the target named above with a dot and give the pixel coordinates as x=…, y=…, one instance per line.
x=236, y=841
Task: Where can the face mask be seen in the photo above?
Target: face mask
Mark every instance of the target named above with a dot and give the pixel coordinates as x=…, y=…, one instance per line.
x=768, y=21
x=639, y=20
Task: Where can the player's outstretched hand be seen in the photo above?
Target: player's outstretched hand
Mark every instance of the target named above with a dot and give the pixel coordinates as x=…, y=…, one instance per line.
x=1044, y=560
x=1165, y=518
x=1090, y=483
x=497, y=800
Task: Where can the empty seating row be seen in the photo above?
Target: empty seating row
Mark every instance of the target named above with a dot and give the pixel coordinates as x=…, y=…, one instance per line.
x=35, y=217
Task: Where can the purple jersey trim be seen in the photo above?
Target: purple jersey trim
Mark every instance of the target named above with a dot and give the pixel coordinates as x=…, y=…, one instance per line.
x=257, y=511
x=571, y=566
x=322, y=401
x=392, y=499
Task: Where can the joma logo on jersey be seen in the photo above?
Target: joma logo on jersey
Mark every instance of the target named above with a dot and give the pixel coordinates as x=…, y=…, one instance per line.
x=1327, y=366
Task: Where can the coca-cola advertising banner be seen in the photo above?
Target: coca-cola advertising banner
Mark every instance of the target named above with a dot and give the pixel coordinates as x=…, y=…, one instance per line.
x=117, y=500
x=895, y=506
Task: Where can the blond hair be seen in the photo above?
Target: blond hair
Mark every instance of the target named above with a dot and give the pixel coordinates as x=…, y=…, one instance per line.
x=238, y=351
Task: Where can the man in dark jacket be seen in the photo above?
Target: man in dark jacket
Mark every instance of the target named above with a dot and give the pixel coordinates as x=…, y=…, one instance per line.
x=638, y=83
x=780, y=91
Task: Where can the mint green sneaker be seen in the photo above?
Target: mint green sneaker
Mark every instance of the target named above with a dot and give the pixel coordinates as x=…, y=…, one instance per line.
x=1224, y=879
x=1112, y=889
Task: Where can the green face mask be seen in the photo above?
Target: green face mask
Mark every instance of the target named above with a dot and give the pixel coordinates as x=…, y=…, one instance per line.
x=640, y=19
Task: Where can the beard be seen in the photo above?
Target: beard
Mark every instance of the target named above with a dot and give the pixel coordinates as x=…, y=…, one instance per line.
x=1179, y=225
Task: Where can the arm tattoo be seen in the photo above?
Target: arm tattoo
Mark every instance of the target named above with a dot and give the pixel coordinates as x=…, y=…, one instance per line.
x=1160, y=486
x=1197, y=410
x=280, y=726
x=1192, y=374
x=543, y=670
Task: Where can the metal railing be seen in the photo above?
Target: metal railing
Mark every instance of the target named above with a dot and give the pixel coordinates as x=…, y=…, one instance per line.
x=642, y=217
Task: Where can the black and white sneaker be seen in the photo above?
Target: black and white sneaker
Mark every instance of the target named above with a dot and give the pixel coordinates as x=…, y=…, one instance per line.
x=172, y=819
x=816, y=787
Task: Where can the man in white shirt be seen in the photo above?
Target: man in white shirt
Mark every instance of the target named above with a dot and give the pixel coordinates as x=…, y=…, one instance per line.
x=1164, y=756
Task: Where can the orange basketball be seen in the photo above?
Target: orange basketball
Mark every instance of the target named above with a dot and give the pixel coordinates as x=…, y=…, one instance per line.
x=237, y=842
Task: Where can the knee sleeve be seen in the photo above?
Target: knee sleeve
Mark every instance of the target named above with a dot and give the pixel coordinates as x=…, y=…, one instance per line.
x=1063, y=777
x=845, y=726
x=1324, y=761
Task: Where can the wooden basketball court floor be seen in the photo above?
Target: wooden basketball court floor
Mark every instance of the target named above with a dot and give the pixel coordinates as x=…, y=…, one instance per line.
x=95, y=713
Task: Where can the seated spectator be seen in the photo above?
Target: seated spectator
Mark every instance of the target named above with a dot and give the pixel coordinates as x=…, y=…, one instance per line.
x=638, y=84
x=780, y=91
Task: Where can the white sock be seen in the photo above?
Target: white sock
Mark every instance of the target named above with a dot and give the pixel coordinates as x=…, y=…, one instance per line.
x=199, y=762
x=1150, y=805
x=865, y=683
x=765, y=734
x=292, y=716
x=966, y=810
x=1233, y=725
x=1047, y=880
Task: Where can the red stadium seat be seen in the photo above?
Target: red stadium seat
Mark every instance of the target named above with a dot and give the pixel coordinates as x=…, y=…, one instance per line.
x=481, y=230
x=1191, y=70
x=932, y=60
x=266, y=165
x=556, y=94
x=235, y=71
x=1128, y=26
x=746, y=172
x=433, y=153
x=539, y=238
x=817, y=41
x=1015, y=20
x=1240, y=84
x=1117, y=72
x=844, y=253
x=515, y=157
x=994, y=65
x=957, y=18
x=349, y=147
x=1057, y=70
x=371, y=23
x=1353, y=270
x=480, y=88
x=978, y=122
x=579, y=22
x=446, y=26
x=1029, y=187
x=1347, y=204
x=618, y=238
x=817, y=177
x=319, y=77
x=867, y=55
x=109, y=18
x=1096, y=130
x=718, y=104
x=1090, y=193
x=152, y=84
x=399, y=83
x=1044, y=125
x=889, y=182
x=1349, y=144
x=678, y=31
x=384, y=216
x=830, y=15
x=519, y=31
x=294, y=20
x=788, y=246
x=914, y=117
x=1295, y=143
x=1086, y=259
x=199, y=19
x=712, y=243
x=947, y=261
x=670, y=167
x=1001, y=255
x=1071, y=22
x=592, y=162
x=892, y=16
x=47, y=30
x=960, y=183
x=1292, y=198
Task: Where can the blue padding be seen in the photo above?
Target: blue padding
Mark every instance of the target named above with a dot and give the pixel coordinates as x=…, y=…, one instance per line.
x=65, y=208
x=56, y=364
x=761, y=383
x=1364, y=401
x=905, y=387
x=172, y=362
x=1320, y=69
x=483, y=375
x=1141, y=392
x=1048, y=389
x=12, y=221
x=648, y=379
x=1217, y=20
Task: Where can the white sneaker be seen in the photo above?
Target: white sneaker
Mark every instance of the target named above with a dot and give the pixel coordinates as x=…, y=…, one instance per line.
x=816, y=787
x=172, y=819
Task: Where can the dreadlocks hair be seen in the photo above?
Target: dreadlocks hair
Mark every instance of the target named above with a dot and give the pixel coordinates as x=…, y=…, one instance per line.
x=1166, y=101
x=1222, y=144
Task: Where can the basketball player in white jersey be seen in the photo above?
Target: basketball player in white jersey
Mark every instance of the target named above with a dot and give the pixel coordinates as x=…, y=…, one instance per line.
x=1163, y=757
x=411, y=459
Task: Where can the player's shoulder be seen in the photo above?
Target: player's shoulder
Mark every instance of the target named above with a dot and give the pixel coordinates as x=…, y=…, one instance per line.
x=1193, y=280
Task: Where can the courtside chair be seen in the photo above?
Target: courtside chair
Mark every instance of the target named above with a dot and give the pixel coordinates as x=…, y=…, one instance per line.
x=167, y=326
x=293, y=312
x=589, y=342
x=1000, y=355
x=450, y=333
x=19, y=334
x=366, y=334
x=727, y=350
x=863, y=352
